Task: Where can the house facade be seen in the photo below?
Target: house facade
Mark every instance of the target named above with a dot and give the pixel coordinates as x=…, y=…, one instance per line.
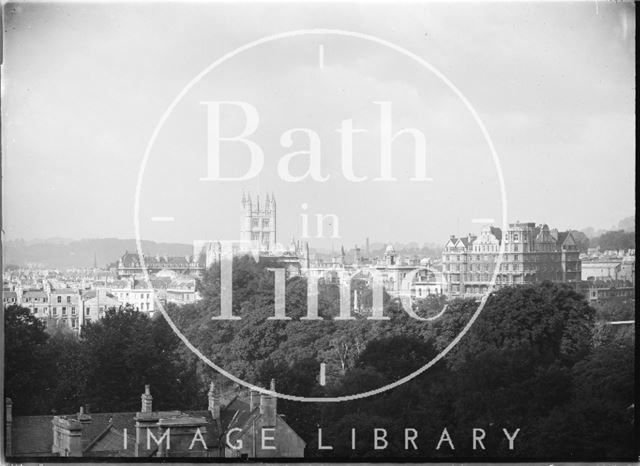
x=532, y=254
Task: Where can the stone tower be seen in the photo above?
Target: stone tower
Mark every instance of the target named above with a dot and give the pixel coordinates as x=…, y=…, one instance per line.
x=258, y=224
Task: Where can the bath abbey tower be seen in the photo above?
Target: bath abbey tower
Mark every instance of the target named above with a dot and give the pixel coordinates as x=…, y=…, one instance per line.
x=258, y=223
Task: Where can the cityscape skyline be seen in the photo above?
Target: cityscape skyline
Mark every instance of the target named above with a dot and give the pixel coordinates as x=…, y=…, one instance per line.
x=565, y=111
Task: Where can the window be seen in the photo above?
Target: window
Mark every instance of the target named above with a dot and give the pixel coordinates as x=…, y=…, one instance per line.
x=265, y=222
x=59, y=299
x=254, y=222
x=73, y=311
x=515, y=236
x=69, y=299
x=64, y=311
x=87, y=311
x=55, y=311
x=255, y=236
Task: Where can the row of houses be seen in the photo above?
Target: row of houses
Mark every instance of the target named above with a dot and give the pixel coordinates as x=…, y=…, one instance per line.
x=244, y=425
x=73, y=307
x=610, y=269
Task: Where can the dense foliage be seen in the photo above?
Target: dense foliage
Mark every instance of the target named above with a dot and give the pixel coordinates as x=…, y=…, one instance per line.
x=614, y=240
x=106, y=368
x=537, y=359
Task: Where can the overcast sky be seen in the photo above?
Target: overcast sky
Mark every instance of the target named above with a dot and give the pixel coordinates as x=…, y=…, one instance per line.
x=84, y=86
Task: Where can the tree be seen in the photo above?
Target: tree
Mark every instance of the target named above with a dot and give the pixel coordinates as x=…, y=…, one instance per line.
x=397, y=356
x=619, y=239
x=28, y=373
x=551, y=319
x=65, y=353
x=598, y=420
x=126, y=350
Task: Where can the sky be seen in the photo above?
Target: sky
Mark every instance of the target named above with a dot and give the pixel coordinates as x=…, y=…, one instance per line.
x=85, y=85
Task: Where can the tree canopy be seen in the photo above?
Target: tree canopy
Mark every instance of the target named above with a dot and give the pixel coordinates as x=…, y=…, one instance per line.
x=536, y=359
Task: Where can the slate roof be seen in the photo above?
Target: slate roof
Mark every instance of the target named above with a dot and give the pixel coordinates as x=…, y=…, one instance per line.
x=562, y=237
x=33, y=435
x=132, y=260
x=110, y=442
x=237, y=413
x=159, y=283
x=93, y=293
x=65, y=291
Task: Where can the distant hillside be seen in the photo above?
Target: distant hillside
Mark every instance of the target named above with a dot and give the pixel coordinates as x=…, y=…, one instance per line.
x=627, y=224
x=614, y=240
x=622, y=237
x=80, y=253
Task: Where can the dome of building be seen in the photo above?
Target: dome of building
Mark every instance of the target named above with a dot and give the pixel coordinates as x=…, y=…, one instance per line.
x=166, y=273
x=390, y=251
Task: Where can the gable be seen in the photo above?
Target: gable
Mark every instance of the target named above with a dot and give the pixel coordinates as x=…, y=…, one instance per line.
x=111, y=441
x=287, y=443
x=568, y=240
x=292, y=444
x=449, y=244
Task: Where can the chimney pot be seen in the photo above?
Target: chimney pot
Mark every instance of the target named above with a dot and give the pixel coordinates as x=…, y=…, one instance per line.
x=268, y=406
x=252, y=400
x=147, y=400
x=214, y=402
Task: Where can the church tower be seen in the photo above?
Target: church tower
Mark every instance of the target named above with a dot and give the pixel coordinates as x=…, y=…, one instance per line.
x=258, y=224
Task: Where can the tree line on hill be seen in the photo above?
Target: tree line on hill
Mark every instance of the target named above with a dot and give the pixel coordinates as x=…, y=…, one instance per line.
x=536, y=359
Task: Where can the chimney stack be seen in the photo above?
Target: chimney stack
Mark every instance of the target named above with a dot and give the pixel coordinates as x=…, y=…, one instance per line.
x=214, y=402
x=147, y=400
x=85, y=419
x=268, y=406
x=67, y=436
x=253, y=399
